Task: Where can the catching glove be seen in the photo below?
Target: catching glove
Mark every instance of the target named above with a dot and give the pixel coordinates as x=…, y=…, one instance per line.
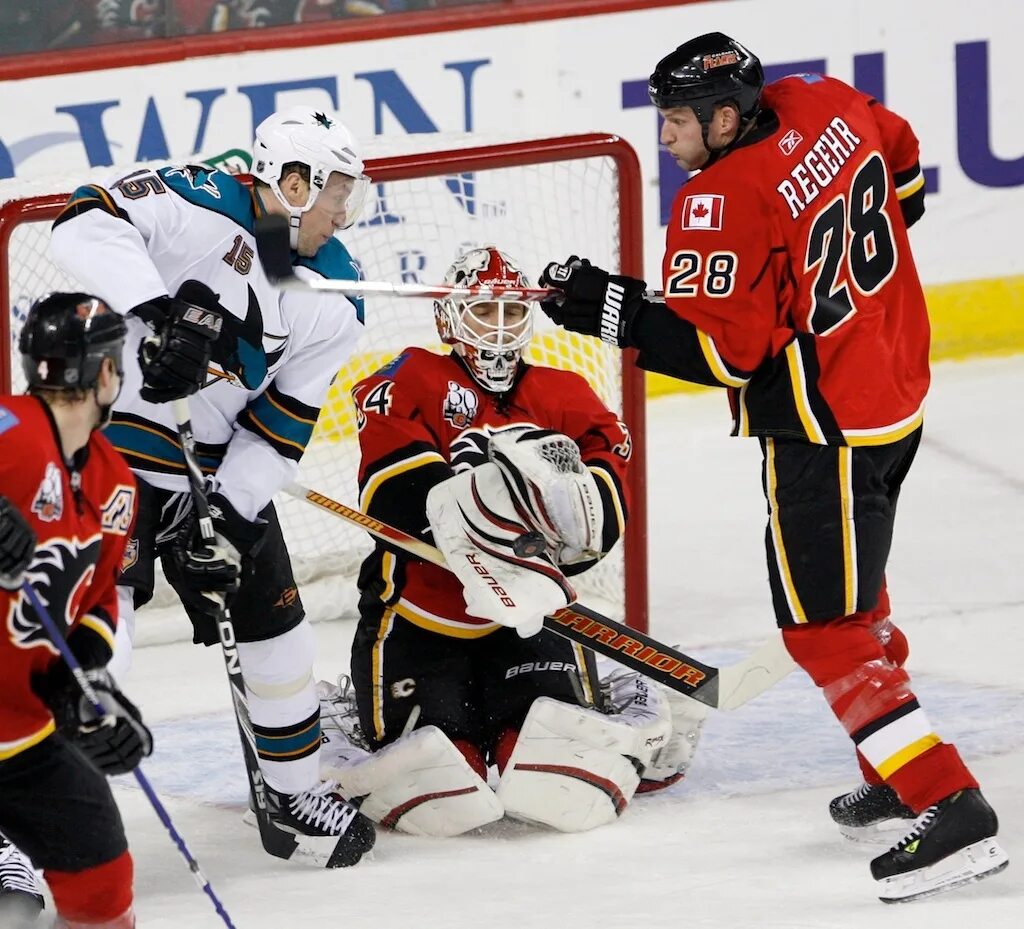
x=593, y=302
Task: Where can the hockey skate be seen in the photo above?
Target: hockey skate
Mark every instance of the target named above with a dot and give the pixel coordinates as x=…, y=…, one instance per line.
x=951, y=844
x=873, y=814
x=21, y=896
x=329, y=831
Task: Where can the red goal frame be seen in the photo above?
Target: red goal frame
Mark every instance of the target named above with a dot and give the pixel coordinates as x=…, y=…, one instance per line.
x=44, y=208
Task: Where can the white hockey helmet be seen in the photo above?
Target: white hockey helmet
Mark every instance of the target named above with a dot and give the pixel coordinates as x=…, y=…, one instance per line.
x=317, y=139
x=492, y=346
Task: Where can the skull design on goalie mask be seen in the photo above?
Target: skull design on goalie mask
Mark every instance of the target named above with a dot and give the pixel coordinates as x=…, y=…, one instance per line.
x=489, y=334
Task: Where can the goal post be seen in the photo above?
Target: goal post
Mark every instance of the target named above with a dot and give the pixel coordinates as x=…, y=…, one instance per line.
x=537, y=200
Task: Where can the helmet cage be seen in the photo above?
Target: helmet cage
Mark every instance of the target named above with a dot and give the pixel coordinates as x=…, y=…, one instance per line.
x=492, y=348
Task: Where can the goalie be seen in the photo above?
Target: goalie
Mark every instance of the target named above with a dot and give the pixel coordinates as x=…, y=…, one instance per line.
x=517, y=473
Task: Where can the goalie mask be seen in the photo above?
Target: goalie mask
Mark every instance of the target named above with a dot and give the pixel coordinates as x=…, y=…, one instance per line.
x=318, y=140
x=488, y=334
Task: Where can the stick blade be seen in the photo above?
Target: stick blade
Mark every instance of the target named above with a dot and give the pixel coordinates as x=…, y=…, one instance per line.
x=746, y=679
x=273, y=244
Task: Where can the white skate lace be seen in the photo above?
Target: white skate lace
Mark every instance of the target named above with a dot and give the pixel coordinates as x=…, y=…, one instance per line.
x=16, y=874
x=917, y=830
x=855, y=796
x=323, y=809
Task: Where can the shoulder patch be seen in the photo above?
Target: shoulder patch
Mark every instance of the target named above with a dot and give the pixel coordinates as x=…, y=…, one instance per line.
x=703, y=211
x=460, y=405
x=118, y=510
x=7, y=419
x=809, y=78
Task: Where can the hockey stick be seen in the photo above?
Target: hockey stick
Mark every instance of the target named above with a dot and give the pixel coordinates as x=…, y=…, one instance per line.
x=723, y=688
x=272, y=241
x=58, y=640
x=275, y=841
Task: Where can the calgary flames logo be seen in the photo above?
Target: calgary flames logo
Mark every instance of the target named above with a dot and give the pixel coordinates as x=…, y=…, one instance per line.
x=60, y=575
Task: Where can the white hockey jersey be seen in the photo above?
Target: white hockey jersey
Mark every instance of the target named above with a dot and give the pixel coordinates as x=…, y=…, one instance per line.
x=142, y=237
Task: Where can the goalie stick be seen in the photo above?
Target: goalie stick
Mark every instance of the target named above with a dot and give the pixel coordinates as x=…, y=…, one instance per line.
x=272, y=233
x=724, y=688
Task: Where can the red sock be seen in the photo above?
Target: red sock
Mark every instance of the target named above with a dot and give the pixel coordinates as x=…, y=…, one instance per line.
x=872, y=698
x=100, y=896
x=473, y=755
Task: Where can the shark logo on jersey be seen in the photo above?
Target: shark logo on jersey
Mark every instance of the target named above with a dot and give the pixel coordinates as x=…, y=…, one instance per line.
x=197, y=177
x=49, y=502
x=460, y=405
x=60, y=574
x=239, y=355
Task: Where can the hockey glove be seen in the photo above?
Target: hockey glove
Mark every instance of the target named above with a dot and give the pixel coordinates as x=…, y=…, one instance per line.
x=17, y=545
x=595, y=302
x=116, y=742
x=174, y=360
x=218, y=568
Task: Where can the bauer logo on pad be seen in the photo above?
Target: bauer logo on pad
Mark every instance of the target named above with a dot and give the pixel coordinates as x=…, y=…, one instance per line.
x=703, y=211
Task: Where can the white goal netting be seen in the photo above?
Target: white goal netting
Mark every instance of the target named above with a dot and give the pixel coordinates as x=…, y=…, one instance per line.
x=537, y=201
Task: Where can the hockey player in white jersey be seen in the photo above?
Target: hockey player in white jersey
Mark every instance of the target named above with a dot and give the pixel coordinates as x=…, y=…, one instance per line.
x=157, y=245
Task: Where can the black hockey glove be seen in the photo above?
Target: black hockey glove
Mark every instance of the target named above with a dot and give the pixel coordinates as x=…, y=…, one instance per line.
x=218, y=568
x=17, y=545
x=594, y=302
x=175, y=358
x=115, y=742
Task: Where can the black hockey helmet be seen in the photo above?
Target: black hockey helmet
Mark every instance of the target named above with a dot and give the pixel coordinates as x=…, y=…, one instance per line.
x=65, y=339
x=705, y=72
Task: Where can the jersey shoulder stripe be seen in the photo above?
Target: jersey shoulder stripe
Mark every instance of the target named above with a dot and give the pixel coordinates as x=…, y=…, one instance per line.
x=335, y=263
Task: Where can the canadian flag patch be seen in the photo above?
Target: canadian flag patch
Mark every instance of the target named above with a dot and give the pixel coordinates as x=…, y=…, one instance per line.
x=703, y=211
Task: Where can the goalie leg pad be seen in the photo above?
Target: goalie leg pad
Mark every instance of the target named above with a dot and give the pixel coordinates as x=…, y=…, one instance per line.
x=420, y=784
x=572, y=768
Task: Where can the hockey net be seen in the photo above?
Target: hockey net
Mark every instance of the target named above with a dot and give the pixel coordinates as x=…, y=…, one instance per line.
x=537, y=201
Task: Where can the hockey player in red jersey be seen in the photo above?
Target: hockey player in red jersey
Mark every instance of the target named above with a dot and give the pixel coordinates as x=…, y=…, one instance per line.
x=67, y=503
x=790, y=281
x=474, y=449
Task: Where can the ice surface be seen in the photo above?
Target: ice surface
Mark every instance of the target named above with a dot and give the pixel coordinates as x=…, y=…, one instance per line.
x=745, y=840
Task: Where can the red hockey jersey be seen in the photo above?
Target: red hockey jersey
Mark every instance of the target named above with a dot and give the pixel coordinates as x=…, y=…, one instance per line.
x=789, y=261
x=422, y=418
x=82, y=515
